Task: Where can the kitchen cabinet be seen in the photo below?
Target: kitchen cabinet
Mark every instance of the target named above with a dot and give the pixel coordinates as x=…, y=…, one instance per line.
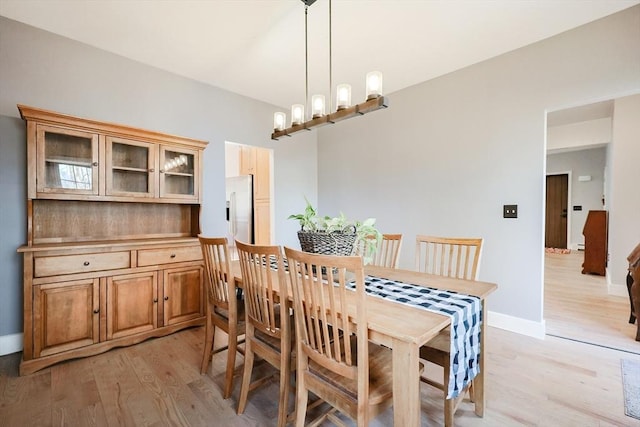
x=67, y=161
x=88, y=160
x=131, y=168
x=262, y=224
x=178, y=171
x=65, y=316
x=183, y=297
x=112, y=255
x=132, y=301
x=257, y=162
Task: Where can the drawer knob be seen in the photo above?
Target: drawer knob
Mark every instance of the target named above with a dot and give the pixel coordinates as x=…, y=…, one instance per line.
x=95, y=163
x=155, y=300
x=96, y=311
x=151, y=170
x=86, y=263
x=173, y=255
x=166, y=298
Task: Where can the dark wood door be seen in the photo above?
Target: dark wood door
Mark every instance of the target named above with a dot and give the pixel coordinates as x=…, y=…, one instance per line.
x=555, y=235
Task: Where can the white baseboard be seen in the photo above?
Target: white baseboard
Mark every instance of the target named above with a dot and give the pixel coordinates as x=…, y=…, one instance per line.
x=10, y=344
x=619, y=290
x=614, y=288
x=517, y=325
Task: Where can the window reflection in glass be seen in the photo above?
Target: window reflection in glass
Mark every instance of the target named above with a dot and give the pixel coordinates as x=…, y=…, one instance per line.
x=77, y=177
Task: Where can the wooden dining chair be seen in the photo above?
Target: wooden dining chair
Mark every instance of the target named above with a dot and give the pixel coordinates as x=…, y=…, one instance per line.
x=450, y=257
x=223, y=310
x=268, y=320
x=335, y=360
x=388, y=252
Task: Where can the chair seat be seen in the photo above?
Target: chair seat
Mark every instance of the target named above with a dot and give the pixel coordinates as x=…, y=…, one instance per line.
x=437, y=347
x=274, y=342
x=223, y=314
x=380, y=375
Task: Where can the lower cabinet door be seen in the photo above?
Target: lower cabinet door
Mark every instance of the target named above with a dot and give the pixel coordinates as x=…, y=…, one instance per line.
x=66, y=316
x=132, y=302
x=182, y=294
x=262, y=222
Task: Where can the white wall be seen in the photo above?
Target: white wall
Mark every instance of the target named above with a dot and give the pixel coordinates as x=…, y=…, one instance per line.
x=624, y=214
x=448, y=153
x=44, y=70
x=591, y=132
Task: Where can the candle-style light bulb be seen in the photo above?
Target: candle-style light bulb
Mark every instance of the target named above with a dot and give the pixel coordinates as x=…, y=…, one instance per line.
x=343, y=98
x=374, y=84
x=317, y=106
x=279, y=119
x=297, y=114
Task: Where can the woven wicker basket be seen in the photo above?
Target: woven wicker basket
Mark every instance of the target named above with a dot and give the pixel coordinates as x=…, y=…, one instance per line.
x=319, y=242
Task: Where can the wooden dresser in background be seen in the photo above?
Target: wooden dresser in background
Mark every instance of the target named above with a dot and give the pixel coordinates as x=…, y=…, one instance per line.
x=112, y=256
x=595, y=243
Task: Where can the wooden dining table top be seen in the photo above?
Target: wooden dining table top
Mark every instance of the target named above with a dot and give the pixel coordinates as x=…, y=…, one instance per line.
x=394, y=320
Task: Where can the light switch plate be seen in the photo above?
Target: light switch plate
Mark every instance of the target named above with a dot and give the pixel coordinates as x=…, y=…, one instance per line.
x=510, y=211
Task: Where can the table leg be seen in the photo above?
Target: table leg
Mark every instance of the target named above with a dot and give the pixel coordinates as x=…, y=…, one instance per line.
x=406, y=384
x=478, y=381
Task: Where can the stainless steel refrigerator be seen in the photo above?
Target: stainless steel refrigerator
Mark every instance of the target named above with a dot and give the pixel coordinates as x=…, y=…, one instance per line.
x=239, y=190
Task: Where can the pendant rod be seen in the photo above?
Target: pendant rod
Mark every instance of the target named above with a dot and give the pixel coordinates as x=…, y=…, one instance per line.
x=330, y=65
x=306, y=63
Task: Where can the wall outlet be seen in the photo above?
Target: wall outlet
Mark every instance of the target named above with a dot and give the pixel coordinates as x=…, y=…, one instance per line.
x=510, y=211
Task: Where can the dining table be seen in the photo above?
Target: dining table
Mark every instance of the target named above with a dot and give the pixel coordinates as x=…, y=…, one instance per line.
x=404, y=329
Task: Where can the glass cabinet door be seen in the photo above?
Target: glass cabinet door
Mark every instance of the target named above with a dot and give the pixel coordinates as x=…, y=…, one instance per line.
x=178, y=172
x=67, y=161
x=130, y=168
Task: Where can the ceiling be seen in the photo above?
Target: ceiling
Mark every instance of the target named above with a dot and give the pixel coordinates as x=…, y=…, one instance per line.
x=256, y=47
x=597, y=110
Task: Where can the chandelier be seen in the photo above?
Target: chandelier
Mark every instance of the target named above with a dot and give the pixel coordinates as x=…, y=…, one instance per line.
x=343, y=108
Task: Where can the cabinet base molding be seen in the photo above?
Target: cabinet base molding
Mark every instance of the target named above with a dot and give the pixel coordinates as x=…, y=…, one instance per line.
x=28, y=367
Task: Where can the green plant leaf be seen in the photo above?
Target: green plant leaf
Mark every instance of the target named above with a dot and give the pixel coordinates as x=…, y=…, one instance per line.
x=368, y=237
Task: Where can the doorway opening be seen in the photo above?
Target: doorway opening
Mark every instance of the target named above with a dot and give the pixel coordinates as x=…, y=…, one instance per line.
x=577, y=306
x=249, y=190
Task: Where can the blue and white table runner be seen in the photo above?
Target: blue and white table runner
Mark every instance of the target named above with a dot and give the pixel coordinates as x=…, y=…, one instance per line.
x=465, y=312
x=466, y=317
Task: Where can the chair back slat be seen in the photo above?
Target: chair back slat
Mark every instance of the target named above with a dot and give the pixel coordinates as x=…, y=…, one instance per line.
x=450, y=257
x=220, y=285
x=260, y=292
x=387, y=251
x=321, y=300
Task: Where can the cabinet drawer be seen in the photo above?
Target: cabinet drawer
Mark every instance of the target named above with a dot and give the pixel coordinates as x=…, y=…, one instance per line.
x=70, y=264
x=166, y=255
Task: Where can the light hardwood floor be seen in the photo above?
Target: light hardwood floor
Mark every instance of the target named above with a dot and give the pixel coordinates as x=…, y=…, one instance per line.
x=578, y=306
x=550, y=382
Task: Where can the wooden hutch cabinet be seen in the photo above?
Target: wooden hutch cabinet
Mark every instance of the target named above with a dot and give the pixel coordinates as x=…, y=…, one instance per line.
x=112, y=255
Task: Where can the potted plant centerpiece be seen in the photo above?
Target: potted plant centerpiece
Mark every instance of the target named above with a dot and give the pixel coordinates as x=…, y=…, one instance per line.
x=336, y=235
